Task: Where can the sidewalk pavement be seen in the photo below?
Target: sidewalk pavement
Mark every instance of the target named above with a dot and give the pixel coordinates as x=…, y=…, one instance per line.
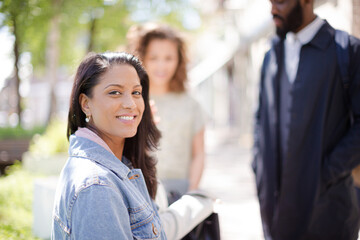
x=228, y=175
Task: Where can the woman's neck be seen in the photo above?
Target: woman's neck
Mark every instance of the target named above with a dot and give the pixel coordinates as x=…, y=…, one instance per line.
x=116, y=147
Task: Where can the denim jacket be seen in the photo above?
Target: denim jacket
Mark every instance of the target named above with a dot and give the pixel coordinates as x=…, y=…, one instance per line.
x=99, y=197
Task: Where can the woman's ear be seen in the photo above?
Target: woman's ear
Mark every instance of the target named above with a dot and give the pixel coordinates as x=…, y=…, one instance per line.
x=84, y=103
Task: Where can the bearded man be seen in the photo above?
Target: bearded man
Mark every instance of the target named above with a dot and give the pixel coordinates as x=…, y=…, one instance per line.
x=307, y=130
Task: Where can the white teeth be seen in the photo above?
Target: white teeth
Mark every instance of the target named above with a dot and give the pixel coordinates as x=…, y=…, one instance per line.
x=126, y=117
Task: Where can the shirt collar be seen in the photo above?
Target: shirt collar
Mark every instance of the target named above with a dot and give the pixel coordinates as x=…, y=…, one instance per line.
x=89, y=134
x=306, y=34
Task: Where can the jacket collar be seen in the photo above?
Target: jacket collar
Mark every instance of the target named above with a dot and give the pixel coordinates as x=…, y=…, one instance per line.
x=85, y=148
x=323, y=37
x=306, y=34
x=321, y=40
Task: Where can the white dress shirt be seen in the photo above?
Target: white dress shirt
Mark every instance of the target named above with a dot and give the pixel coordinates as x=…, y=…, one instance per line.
x=293, y=44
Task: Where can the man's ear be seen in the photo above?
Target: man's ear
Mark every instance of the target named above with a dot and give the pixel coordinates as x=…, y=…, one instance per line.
x=84, y=103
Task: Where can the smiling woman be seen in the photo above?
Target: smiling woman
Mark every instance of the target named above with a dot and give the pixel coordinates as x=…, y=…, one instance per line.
x=115, y=106
x=106, y=186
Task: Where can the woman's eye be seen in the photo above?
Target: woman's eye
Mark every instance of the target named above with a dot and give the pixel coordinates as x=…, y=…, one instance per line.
x=114, y=93
x=137, y=92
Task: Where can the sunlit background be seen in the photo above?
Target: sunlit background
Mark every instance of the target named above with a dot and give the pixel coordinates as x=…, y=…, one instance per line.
x=46, y=40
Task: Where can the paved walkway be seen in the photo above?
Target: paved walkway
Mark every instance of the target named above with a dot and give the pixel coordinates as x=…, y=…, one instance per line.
x=228, y=176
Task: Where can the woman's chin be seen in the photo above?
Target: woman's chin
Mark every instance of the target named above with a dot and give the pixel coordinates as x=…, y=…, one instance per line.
x=130, y=135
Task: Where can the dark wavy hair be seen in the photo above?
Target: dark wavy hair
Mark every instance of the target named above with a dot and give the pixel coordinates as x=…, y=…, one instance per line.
x=139, y=38
x=136, y=148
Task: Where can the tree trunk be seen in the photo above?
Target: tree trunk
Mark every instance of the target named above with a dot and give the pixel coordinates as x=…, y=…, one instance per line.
x=16, y=69
x=52, y=57
x=92, y=34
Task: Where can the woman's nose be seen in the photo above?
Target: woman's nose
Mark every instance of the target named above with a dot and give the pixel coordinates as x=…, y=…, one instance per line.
x=161, y=64
x=128, y=102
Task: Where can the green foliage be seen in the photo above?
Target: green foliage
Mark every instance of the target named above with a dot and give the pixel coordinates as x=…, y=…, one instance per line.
x=19, y=132
x=15, y=13
x=112, y=28
x=35, y=35
x=112, y=20
x=52, y=141
x=30, y=22
x=16, y=191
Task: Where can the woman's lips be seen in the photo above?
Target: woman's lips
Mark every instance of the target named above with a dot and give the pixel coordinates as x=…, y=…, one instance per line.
x=127, y=118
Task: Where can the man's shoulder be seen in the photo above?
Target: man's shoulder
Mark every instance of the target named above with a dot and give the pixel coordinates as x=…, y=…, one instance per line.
x=348, y=42
x=354, y=41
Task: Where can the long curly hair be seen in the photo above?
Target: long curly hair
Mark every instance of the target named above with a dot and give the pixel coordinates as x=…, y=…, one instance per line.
x=139, y=38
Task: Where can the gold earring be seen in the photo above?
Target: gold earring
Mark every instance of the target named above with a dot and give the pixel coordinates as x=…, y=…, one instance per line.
x=87, y=119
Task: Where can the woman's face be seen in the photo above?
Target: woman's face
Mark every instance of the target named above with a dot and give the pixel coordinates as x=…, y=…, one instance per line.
x=161, y=61
x=116, y=106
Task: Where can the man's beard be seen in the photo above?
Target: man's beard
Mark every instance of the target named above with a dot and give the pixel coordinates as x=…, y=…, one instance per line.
x=292, y=22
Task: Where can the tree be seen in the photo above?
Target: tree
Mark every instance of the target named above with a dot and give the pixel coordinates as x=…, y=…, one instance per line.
x=58, y=33
x=15, y=13
x=52, y=54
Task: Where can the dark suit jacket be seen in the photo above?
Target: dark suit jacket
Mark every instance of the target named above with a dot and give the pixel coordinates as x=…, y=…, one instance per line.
x=311, y=196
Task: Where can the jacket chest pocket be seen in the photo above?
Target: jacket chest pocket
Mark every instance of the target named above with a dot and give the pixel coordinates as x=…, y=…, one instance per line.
x=144, y=223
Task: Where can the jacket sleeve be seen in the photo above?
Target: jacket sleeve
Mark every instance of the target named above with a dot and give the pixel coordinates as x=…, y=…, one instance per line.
x=184, y=214
x=256, y=134
x=346, y=155
x=99, y=212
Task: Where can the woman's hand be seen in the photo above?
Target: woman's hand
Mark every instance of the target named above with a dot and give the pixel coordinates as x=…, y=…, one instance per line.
x=154, y=111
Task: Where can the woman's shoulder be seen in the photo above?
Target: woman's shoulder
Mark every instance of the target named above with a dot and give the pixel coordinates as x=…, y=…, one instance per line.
x=82, y=173
x=84, y=186
x=182, y=98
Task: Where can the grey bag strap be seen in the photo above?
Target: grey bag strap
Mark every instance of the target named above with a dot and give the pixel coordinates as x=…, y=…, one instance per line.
x=342, y=51
x=343, y=59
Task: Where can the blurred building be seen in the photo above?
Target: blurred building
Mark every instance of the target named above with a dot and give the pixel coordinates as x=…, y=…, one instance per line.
x=356, y=18
x=8, y=102
x=38, y=99
x=230, y=53
x=36, y=102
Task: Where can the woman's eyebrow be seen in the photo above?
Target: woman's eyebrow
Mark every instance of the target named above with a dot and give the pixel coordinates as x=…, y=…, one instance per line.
x=113, y=85
x=120, y=86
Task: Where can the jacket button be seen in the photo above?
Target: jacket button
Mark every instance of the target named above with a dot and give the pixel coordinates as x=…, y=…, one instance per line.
x=155, y=231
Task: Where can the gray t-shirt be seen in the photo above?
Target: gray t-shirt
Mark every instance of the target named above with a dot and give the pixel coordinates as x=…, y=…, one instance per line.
x=181, y=118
